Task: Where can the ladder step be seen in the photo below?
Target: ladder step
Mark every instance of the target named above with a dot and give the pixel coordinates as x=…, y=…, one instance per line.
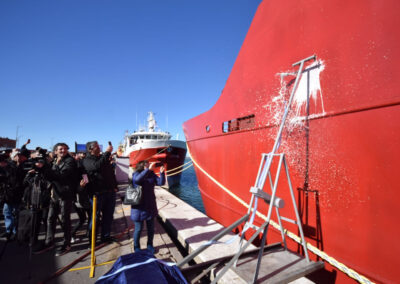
x=280, y=203
x=277, y=266
x=288, y=220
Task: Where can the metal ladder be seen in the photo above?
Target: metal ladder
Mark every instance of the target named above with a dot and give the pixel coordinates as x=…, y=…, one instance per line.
x=257, y=192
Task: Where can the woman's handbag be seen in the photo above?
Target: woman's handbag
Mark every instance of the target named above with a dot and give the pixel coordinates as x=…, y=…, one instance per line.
x=133, y=195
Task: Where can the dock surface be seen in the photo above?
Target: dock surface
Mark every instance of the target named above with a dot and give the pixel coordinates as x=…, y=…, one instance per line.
x=16, y=267
x=179, y=229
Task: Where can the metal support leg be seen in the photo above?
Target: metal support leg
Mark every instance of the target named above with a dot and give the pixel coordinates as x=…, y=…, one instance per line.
x=236, y=257
x=217, y=237
x=281, y=226
x=303, y=240
x=260, y=254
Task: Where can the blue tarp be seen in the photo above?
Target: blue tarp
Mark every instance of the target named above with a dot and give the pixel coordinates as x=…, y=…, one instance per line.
x=141, y=267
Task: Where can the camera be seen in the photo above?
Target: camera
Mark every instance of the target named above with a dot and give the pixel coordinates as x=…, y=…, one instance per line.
x=30, y=164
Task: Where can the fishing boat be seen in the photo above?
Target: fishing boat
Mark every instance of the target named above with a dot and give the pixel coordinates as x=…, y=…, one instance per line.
x=341, y=138
x=155, y=145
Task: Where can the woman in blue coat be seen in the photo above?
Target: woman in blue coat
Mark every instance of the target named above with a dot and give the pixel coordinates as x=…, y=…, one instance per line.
x=147, y=209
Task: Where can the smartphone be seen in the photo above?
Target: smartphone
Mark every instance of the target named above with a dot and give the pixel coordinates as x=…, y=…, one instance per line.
x=109, y=143
x=85, y=178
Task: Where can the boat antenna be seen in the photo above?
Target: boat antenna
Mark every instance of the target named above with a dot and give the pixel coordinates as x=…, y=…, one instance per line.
x=136, y=120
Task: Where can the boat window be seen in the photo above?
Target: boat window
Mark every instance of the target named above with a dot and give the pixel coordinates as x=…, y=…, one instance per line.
x=148, y=136
x=133, y=140
x=240, y=123
x=141, y=137
x=208, y=128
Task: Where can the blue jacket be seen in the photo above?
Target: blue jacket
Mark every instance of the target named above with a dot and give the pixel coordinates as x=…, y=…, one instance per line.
x=148, y=208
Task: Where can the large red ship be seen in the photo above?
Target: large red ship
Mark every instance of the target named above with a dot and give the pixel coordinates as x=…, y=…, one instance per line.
x=155, y=146
x=341, y=139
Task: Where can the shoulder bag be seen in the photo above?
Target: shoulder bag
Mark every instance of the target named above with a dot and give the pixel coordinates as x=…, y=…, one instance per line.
x=133, y=195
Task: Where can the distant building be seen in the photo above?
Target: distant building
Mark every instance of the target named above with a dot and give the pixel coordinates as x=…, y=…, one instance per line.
x=7, y=143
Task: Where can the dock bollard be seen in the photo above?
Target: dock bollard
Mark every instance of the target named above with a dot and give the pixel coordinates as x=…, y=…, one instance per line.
x=93, y=257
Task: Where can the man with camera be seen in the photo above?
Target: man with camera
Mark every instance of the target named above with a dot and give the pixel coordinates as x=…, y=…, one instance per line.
x=36, y=201
x=10, y=195
x=62, y=173
x=102, y=183
x=12, y=189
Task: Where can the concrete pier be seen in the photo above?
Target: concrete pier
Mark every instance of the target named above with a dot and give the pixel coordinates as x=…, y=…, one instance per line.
x=191, y=228
x=187, y=230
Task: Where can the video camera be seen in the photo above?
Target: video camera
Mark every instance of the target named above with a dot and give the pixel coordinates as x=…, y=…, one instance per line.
x=30, y=164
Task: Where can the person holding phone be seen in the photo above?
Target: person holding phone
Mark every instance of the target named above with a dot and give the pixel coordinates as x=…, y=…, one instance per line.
x=103, y=184
x=82, y=205
x=147, y=209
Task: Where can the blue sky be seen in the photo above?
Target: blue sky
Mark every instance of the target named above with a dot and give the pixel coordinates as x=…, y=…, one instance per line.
x=84, y=70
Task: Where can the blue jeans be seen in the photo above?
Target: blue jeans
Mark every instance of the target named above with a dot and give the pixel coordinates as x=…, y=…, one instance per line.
x=138, y=231
x=105, y=205
x=10, y=212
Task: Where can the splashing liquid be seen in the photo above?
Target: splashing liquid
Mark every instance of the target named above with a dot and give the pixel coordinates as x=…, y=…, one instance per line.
x=308, y=89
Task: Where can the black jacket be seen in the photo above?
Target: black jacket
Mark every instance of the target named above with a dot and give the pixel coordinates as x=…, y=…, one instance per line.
x=64, y=176
x=100, y=172
x=34, y=182
x=10, y=189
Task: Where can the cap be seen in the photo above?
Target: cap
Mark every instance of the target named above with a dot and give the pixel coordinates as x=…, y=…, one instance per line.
x=13, y=154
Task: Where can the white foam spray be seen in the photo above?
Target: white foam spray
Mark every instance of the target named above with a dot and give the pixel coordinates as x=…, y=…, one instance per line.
x=308, y=90
x=309, y=87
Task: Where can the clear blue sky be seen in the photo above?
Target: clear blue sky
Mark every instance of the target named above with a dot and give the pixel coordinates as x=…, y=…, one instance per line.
x=77, y=70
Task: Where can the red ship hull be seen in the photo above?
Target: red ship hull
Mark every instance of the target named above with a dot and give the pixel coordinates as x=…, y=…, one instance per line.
x=343, y=152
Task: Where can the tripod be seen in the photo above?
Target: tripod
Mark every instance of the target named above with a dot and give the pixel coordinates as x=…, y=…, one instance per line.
x=34, y=206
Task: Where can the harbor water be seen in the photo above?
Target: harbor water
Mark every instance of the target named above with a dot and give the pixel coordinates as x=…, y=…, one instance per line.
x=188, y=189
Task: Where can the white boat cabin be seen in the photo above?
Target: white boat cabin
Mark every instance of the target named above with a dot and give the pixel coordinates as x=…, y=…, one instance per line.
x=140, y=137
x=145, y=135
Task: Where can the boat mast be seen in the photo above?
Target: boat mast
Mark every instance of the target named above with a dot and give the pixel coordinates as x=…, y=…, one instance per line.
x=151, y=122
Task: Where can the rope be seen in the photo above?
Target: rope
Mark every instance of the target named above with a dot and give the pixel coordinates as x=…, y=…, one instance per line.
x=162, y=150
x=184, y=169
x=88, y=267
x=171, y=170
x=342, y=267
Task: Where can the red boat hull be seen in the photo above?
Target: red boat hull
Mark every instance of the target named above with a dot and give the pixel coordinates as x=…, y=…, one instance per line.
x=343, y=153
x=171, y=157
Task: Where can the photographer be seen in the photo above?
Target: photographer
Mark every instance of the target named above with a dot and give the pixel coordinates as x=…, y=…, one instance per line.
x=103, y=184
x=36, y=200
x=147, y=210
x=63, y=173
x=10, y=195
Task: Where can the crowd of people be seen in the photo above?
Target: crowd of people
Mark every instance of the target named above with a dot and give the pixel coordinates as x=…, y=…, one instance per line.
x=40, y=189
